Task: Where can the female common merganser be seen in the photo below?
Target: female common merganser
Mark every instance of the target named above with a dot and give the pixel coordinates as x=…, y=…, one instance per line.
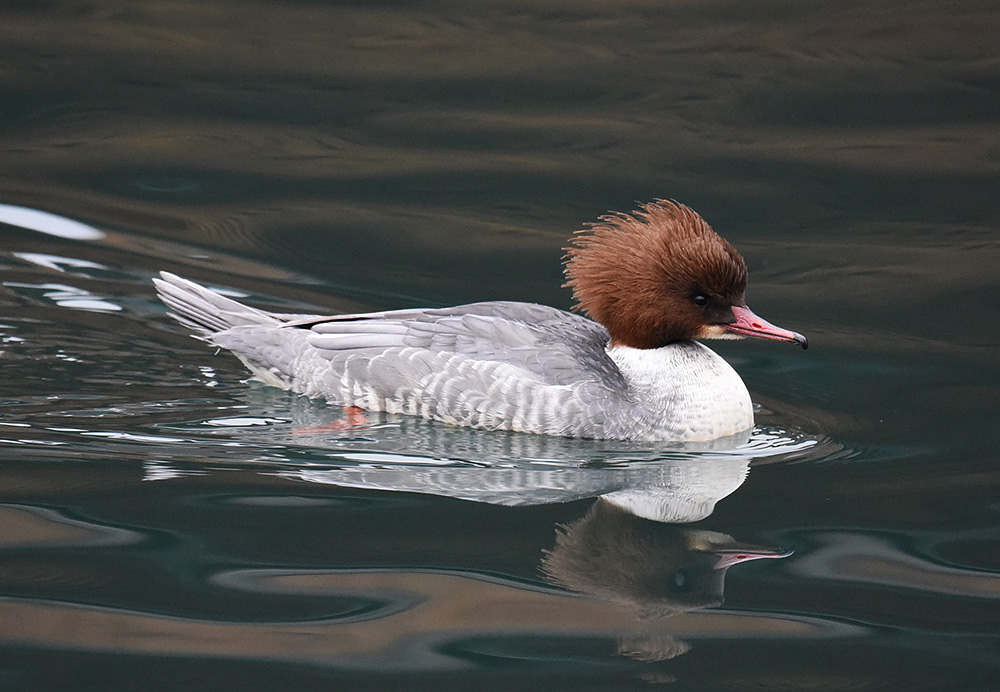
x=652, y=281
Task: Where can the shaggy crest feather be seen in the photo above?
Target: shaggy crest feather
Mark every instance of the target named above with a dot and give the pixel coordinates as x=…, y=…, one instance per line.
x=637, y=273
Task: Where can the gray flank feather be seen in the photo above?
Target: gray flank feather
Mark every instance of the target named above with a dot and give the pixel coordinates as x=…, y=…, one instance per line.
x=494, y=365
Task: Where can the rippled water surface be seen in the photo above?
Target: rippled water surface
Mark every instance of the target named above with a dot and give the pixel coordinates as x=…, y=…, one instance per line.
x=165, y=524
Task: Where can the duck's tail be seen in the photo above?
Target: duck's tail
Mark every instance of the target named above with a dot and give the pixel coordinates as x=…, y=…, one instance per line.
x=206, y=312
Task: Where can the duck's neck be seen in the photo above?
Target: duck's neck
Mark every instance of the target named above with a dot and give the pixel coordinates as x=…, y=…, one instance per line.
x=685, y=388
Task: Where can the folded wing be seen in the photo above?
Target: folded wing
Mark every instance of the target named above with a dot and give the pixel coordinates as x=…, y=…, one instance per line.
x=494, y=365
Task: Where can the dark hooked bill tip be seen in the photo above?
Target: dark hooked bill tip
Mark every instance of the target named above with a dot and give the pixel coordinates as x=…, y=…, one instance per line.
x=801, y=340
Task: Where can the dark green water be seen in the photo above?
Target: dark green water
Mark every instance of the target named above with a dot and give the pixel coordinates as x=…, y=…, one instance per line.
x=164, y=525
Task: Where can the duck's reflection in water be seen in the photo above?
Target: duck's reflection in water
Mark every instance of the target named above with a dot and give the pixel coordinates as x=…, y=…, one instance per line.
x=635, y=548
x=652, y=569
x=635, y=555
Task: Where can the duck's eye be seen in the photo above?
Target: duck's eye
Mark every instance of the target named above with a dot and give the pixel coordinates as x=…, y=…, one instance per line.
x=700, y=300
x=678, y=581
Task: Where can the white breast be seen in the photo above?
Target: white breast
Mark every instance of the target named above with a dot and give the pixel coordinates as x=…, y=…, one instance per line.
x=684, y=391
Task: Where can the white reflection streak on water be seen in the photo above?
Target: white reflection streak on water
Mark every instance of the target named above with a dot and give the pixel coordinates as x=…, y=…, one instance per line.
x=45, y=222
x=70, y=296
x=56, y=262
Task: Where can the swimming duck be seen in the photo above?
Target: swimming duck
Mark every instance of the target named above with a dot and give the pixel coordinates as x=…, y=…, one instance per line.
x=651, y=282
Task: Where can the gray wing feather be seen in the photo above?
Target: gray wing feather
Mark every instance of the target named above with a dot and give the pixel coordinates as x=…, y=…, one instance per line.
x=495, y=365
x=555, y=347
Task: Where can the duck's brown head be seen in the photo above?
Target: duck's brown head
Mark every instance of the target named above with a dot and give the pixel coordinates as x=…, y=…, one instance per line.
x=660, y=275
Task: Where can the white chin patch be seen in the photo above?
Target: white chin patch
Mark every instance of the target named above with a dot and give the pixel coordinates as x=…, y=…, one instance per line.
x=716, y=331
